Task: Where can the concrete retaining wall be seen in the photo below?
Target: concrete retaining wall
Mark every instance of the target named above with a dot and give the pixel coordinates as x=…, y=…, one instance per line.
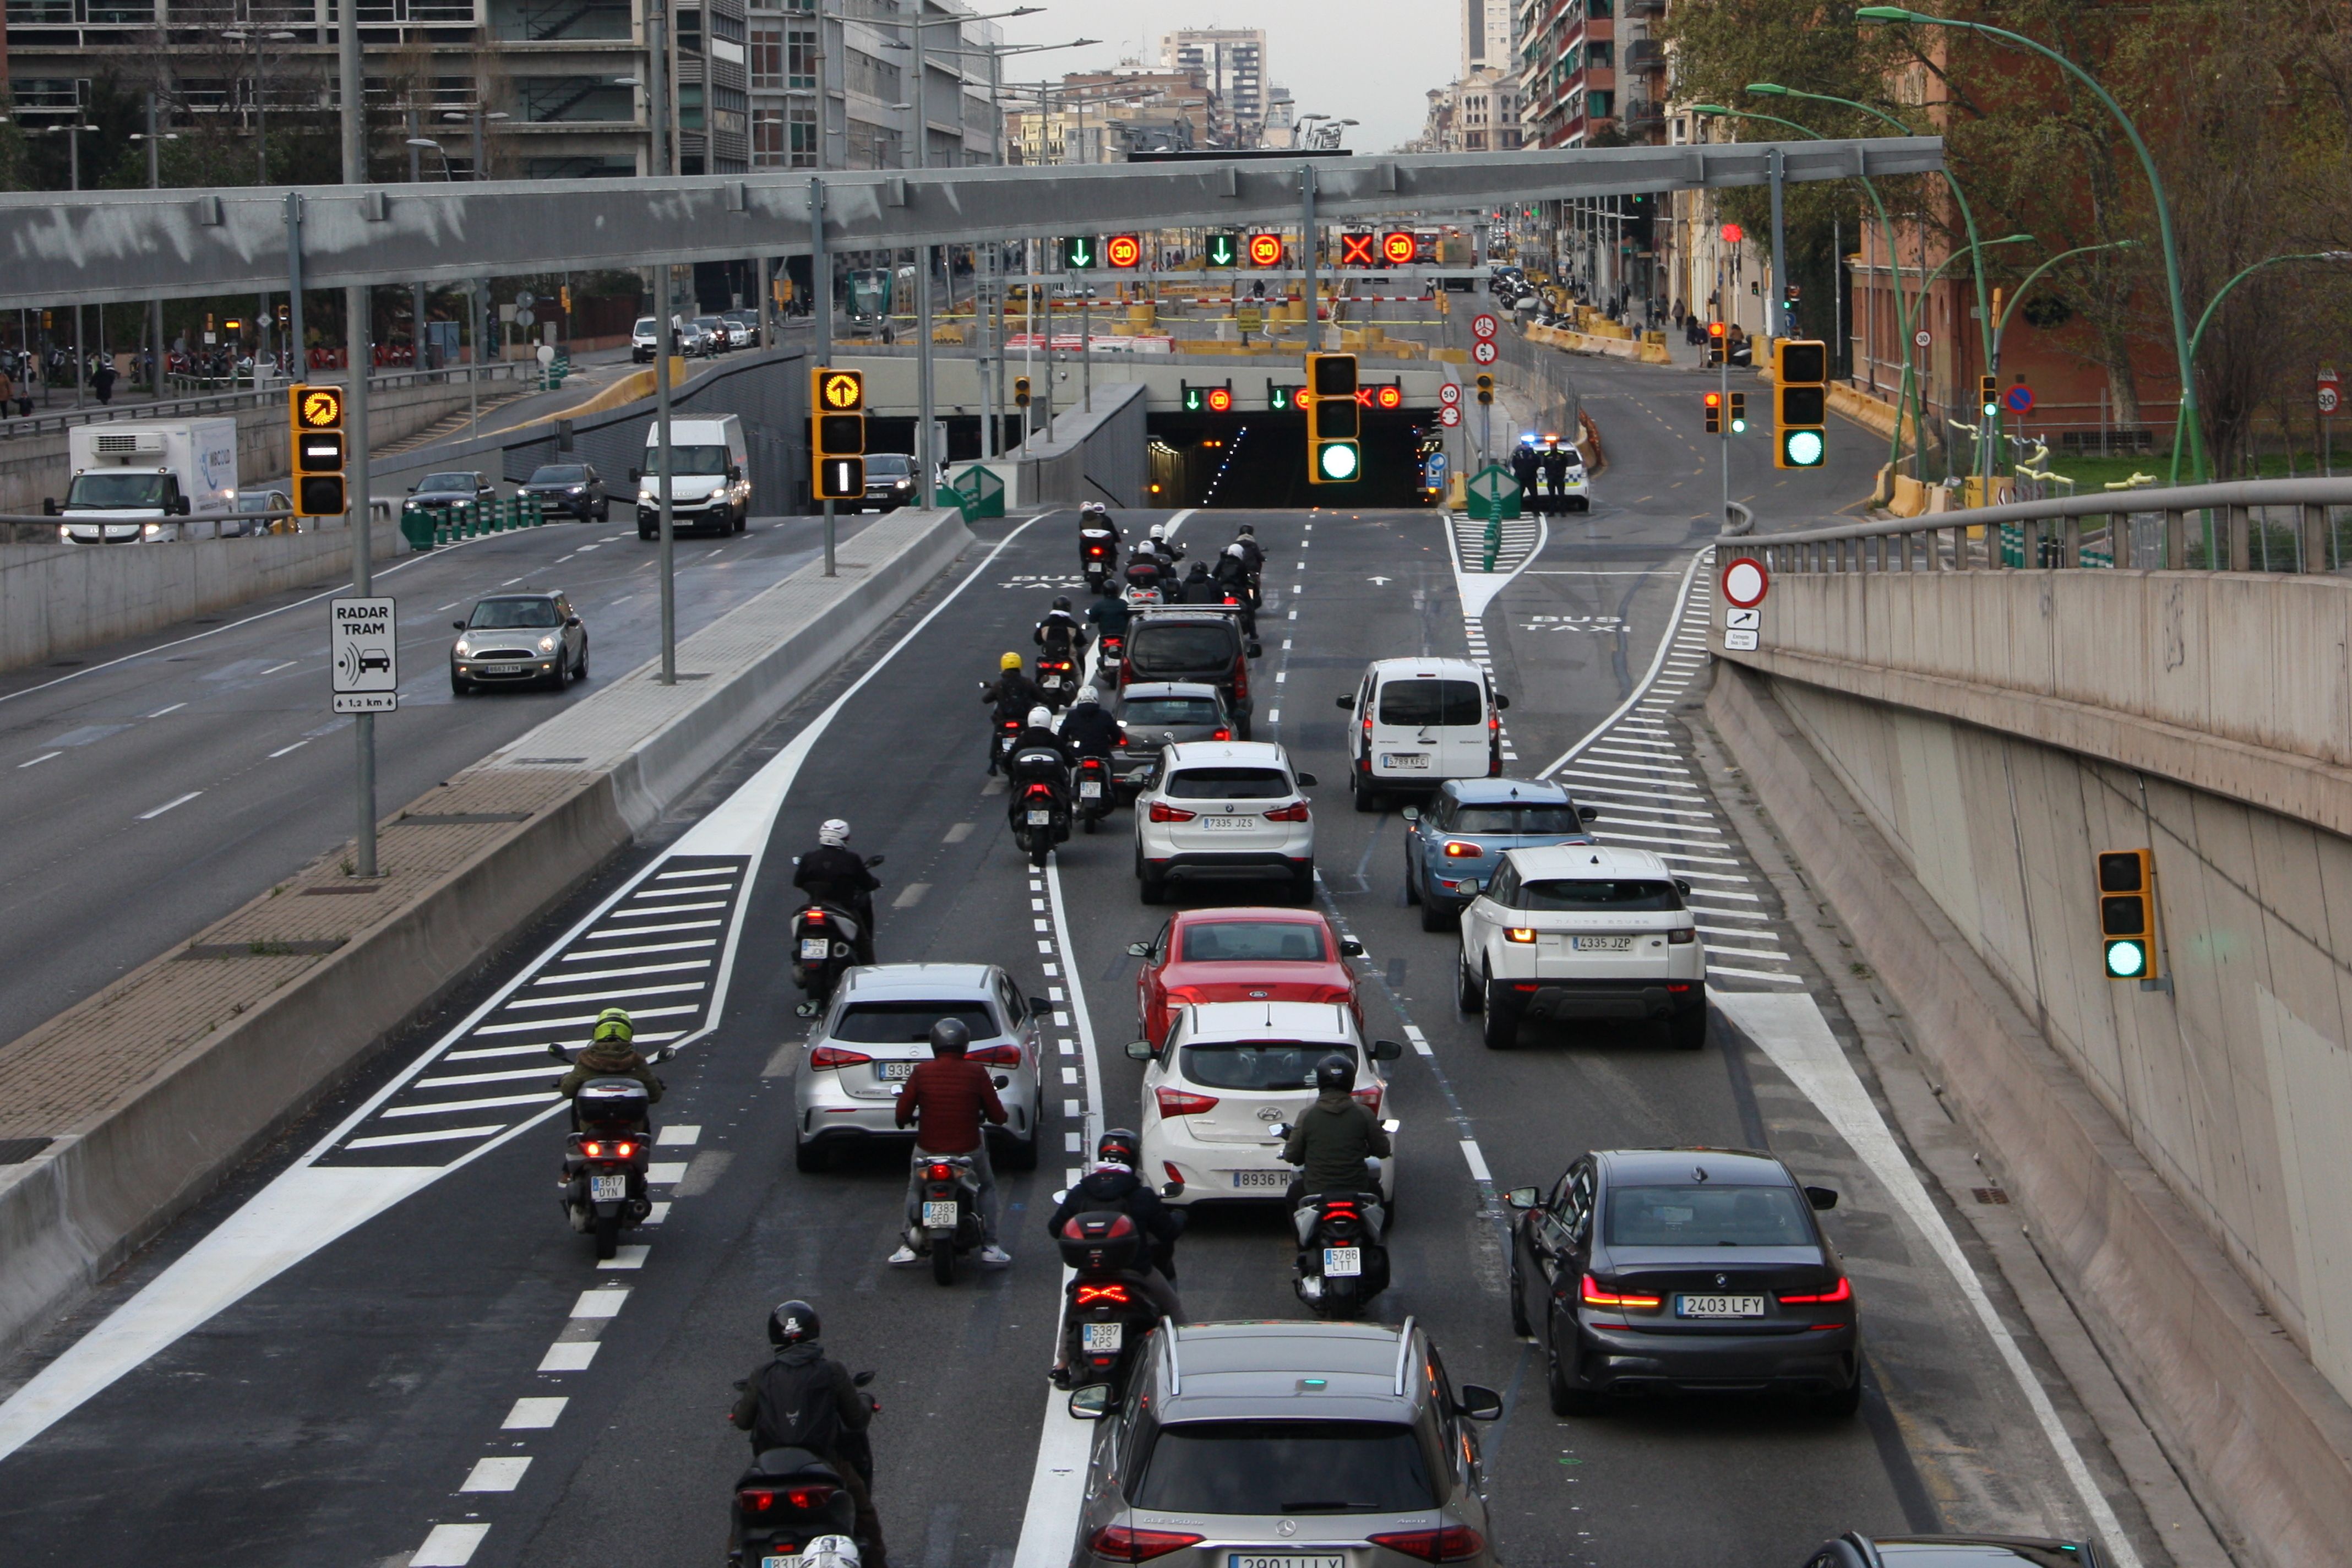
x=1099, y=456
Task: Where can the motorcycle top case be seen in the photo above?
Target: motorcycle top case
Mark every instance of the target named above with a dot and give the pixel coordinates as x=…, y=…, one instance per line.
x=613, y=1101
x=1102, y=1242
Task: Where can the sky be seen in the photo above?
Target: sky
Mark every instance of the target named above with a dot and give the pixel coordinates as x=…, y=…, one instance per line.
x=1369, y=61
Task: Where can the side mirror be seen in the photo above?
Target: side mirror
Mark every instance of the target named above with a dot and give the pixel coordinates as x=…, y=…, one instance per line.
x=1347, y=701
x=1386, y=1050
x=1822, y=1197
x=1588, y=814
x=1091, y=1403
x=1040, y=1005
x=1502, y=704
x=571, y=620
x=662, y=1054
x=1681, y=886
x=1258, y=650
x=180, y=506
x=458, y=625
x=412, y=489
x=1171, y=1189
x=872, y=861
x=1350, y=948
x=860, y=1380
x=555, y=1049
x=1140, y=1051
x=634, y=476
x=1410, y=813
x=1477, y=1403
x=1061, y=1197
x=1139, y=950
x=1306, y=781
x=1522, y=1198
x=50, y=507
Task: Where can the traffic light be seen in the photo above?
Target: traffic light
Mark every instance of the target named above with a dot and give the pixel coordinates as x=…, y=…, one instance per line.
x=1225, y=251
x=1740, y=414
x=563, y=295
x=836, y=433
x=1080, y=252
x=1801, y=403
x=2127, y=913
x=1714, y=414
x=1334, y=456
x=1715, y=340
x=1988, y=396
x=1020, y=391
x=1486, y=388
x=316, y=416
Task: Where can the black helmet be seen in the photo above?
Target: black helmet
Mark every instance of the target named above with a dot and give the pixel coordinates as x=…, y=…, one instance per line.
x=1249, y=528
x=1335, y=1072
x=1061, y=601
x=792, y=1322
x=1118, y=1146
x=949, y=1038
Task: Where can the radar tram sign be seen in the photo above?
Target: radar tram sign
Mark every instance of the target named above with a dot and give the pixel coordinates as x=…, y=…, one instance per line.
x=365, y=656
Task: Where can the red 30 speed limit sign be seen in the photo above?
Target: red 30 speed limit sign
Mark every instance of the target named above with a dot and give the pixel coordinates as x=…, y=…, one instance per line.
x=1745, y=582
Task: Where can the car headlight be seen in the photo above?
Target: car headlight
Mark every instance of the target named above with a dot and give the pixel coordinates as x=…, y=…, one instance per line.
x=576, y=490
x=547, y=645
x=465, y=649
x=151, y=530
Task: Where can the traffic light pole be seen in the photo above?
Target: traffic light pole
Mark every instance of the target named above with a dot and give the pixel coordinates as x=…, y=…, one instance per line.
x=1306, y=244
x=821, y=340
x=357, y=341
x=1779, y=312
x=1722, y=367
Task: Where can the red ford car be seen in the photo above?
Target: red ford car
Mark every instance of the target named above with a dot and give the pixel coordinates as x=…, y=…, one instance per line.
x=1243, y=955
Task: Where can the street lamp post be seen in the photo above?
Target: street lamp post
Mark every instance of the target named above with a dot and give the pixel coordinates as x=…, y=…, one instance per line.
x=357, y=338
x=1930, y=283
x=2187, y=367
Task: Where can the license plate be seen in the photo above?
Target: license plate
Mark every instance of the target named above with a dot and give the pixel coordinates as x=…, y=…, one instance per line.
x=791, y=1560
x=1104, y=1337
x=1719, y=1306
x=1041, y=818
x=939, y=1215
x=813, y=948
x=1405, y=760
x=1342, y=1262
x=895, y=1072
x=1090, y=790
x=607, y=1189
x=1261, y=1181
x=1260, y=1560
x=1224, y=824
x=1602, y=943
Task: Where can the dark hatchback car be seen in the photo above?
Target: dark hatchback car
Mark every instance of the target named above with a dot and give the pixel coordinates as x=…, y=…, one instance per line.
x=1683, y=1271
x=572, y=487
x=889, y=481
x=1853, y=1551
x=1204, y=645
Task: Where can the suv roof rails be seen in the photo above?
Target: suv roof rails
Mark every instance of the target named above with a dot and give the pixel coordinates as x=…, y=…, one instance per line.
x=1405, y=1353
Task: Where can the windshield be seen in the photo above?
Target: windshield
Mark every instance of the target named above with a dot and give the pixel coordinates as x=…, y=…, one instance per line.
x=442, y=483
x=908, y=1023
x=1229, y=784
x=1174, y=710
x=1596, y=896
x=1228, y=942
x=125, y=489
x=1258, y=1064
x=708, y=323
x=503, y=615
x=1284, y=1467
x=644, y=328
x=1515, y=819
x=1424, y=700
x=686, y=461
x=560, y=473
x=892, y=463
x=1174, y=649
x=1706, y=1216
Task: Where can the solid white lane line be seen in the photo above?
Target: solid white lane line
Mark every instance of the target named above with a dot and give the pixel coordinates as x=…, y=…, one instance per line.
x=609, y=996
x=622, y=974
x=1757, y=974
x=168, y=806
x=45, y=756
x=446, y=1134
x=437, y=1107
x=581, y=1018
x=486, y=1052
x=456, y=1080
x=633, y=952
x=655, y=911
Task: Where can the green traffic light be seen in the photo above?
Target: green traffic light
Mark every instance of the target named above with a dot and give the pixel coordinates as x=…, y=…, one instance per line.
x=1803, y=448
x=2127, y=958
x=1739, y=426
x=1340, y=460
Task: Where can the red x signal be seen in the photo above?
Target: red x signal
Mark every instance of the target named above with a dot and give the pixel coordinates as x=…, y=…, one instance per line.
x=1355, y=250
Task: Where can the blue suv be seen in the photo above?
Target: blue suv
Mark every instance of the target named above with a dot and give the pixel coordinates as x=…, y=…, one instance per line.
x=1451, y=848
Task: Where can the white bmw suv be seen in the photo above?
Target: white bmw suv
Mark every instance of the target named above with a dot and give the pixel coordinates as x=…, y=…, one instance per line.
x=1225, y=810
x=1232, y=1072
x=1577, y=933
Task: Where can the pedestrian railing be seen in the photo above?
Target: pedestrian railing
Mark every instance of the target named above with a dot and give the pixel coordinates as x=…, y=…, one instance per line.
x=2245, y=525
x=50, y=421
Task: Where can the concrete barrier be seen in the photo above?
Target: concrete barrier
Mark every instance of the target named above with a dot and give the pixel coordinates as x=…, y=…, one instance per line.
x=122, y=1111
x=1099, y=456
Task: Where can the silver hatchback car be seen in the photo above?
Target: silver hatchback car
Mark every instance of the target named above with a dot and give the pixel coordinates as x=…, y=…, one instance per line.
x=1318, y=1445
x=519, y=639
x=878, y=1027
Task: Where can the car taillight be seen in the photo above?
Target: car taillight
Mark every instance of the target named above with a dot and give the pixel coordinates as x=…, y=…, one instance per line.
x=834, y=1057
x=1844, y=1292
x=1163, y=812
x=1458, y=850
x=1451, y=1543
x=1221, y=735
x=1518, y=933
x=1093, y=1295
x=1295, y=812
x=1594, y=1296
x=1240, y=677
x=1370, y=1099
x=1176, y=1102
x=1681, y=937
x=996, y=1056
x=1125, y=1544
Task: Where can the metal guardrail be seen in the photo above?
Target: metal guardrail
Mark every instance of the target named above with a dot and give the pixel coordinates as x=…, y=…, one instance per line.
x=24, y=528
x=215, y=402
x=2229, y=526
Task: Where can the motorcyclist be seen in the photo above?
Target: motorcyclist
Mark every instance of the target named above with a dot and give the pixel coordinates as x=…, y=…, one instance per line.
x=801, y=1398
x=1253, y=553
x=1095, y=515
x=832, y=873
x=1168, y=551
x=1113, y=1184
x=945, y=1100
x=1233, y=581
x=612, y=1053
x=1013, y=693
x=1089, y=727
x=1037, y=733
x=1109, y=612
x=1333, y=1137
x=1198, y=588
x=1061, y=634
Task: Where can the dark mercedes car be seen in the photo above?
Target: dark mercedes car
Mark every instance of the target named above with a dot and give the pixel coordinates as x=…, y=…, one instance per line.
x=1683, y=1271
x=572, y=487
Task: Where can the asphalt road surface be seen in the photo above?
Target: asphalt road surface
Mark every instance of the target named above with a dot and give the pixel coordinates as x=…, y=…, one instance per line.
x=455, y=1379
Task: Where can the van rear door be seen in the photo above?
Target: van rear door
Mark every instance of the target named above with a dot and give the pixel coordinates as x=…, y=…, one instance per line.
x=1428, y=728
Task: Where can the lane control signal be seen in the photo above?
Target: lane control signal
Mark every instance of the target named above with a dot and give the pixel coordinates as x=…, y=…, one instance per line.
x=1266, y=250
x=321, y=485
x=2127, y=913
x=1398, y=247
x=1801, y=403
x=1355, y=250
x=1123, y=250
x=836, y=433
x=1081, y=252
x=1335, y=455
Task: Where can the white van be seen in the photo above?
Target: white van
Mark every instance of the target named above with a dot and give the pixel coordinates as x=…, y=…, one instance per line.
x=1420, y=721
x=709, y=476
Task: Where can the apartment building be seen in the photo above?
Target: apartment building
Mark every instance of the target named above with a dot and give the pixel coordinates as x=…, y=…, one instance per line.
x=1231, y=63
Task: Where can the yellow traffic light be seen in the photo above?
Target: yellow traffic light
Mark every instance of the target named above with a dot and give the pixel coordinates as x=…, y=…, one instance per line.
x=1334, y=454
x=1486, y=388
x=315, y=415
x=836, y=433
x=2127, y=914
x=1801, y=403
x=1021, y=390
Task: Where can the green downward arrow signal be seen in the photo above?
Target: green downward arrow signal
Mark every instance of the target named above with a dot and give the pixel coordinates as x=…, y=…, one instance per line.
x=1221, y=250
x=1078, y=252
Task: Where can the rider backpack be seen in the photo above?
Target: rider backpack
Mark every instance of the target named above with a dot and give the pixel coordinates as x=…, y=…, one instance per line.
x=796, y=1408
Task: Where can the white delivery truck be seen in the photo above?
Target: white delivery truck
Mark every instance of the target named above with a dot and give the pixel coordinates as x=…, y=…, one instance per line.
x=709, y=476
x=147, y=480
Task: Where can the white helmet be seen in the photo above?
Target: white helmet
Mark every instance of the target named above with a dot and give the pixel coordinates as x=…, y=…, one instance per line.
x=833, y=833
x=1094, y=508
x=830, y=1552
x=1086, y=694
x=1041, y=718
x=1159, y=531
x=1236, y=552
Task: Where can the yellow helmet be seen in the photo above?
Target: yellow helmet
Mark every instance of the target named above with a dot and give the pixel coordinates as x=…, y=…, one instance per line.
x=1010, y=661
x=613, y=1023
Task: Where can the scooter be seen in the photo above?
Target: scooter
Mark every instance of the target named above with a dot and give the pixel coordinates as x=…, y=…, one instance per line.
x=1098, y=555
x=607, y=1156
x=1057, y=679
x=951, y=1214
x=1342, y=1262
x=1106, y=1316
x=790, y=1507
x=1097, y=793
x=1039, y=805
x=825, y=938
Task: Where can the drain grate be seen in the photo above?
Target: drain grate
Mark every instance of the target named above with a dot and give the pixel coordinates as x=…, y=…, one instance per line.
x=1989, y=1195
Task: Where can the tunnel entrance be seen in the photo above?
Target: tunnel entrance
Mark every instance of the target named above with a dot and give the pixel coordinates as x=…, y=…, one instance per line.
x=1258, y=460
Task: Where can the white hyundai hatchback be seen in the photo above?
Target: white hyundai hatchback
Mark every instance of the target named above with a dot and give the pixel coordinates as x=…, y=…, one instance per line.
x=1233, y=1071
x=1226, y=810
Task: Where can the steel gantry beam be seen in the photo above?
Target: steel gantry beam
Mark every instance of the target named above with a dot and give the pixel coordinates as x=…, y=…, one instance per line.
x=98, y=245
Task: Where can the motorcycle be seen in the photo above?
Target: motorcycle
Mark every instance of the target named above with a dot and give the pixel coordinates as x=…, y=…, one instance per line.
x=790, y=1507
x=1146, y=581
x=1097, y=555
x=1342, y=1262
x=1106, y=1315
x=1007, y=731
x=1057, y=679
x=951, y=1214
x=1111, y=652
x=1039, y=807
x=825, y=938
x=607, y=1156
x=1097, y=794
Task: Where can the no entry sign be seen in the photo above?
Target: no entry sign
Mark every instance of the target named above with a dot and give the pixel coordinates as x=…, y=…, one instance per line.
x=1745, y=582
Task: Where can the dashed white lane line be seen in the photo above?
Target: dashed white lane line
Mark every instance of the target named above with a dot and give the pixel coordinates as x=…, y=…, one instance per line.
x=1475, y=1160
x=502, y=1474
x=449, y=1546
x=45, y=756
x=174, y=708
x=535, y=1413
x=169, y=806
x=282, y=751
x=568, y=1355
x=276, y=667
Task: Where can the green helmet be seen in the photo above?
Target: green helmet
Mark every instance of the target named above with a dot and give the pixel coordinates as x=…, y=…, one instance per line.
x=613, y=1023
